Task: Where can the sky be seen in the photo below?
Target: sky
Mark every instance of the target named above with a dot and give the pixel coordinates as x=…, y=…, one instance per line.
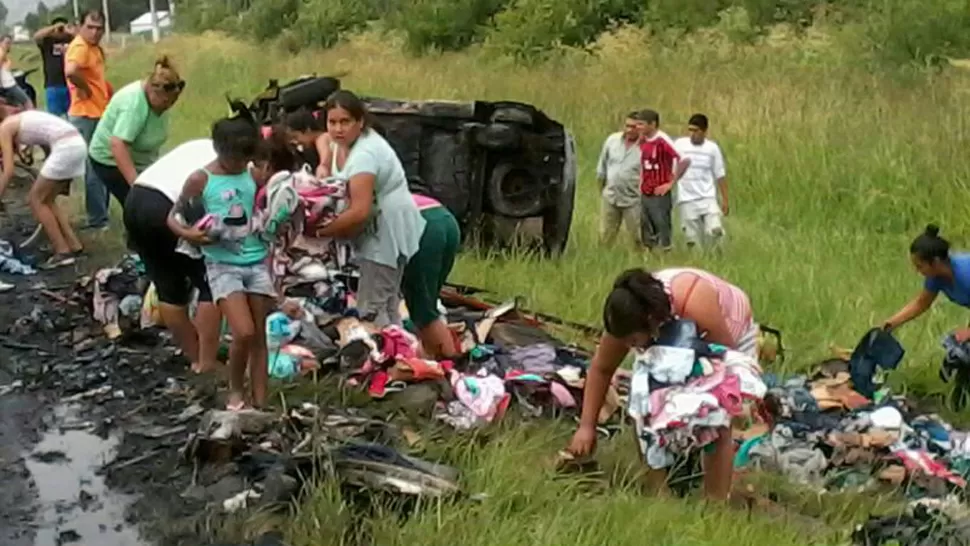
x=20, y=8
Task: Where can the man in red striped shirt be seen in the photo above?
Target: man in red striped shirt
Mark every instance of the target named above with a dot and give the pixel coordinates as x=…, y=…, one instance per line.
x=661, y=167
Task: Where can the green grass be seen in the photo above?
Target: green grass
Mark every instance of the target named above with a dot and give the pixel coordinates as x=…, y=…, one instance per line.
x=833, y=167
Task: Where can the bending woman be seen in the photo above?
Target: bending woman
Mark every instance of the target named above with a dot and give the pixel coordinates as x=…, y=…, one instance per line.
x=134, y=128
x=174, y=274
x=637, y=307
x=65, y=162
x=942, y=271
x=382, y=217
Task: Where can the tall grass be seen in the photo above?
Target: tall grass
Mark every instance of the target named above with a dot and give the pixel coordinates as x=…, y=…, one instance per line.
x=833, y=168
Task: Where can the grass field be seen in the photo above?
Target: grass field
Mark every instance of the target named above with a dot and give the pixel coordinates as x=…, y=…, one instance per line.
x=833, y=167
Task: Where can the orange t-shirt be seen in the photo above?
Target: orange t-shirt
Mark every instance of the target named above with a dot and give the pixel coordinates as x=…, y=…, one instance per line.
x=90, y=62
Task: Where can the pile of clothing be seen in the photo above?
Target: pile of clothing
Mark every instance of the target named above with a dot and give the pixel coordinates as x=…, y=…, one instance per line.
x=471, y=391
x=926, y=522
x=120, y=292
x=289, y=208
x=827, y=435
x=684, y=391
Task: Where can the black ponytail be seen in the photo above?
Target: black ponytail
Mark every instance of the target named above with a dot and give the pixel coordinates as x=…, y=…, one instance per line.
x=637, y=302
x=930, y=247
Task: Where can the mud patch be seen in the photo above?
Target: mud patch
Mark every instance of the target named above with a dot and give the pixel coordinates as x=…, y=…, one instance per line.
x=74, y=505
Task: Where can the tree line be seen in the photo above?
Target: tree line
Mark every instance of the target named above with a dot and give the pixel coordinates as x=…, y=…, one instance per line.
x=898, y=30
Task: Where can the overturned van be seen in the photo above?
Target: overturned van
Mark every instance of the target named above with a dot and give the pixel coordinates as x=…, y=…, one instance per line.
x=483, y=160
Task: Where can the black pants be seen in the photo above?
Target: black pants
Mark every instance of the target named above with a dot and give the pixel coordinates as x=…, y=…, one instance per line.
x=655, y=220
x=112, y=179
x=174, y=273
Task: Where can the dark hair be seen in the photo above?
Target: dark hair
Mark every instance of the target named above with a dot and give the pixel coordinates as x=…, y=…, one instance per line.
x=699, y=121
x=59, y=21
x=635, y=115
x=356, y=107
x=6, y=37
x=650, y=116
x=237, y=136
x=929, y=246
x=93, y=14
x=275, y=149
x=303, y=120
x=637, y=301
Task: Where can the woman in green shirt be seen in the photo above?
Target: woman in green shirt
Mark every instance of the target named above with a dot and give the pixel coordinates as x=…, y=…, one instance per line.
x=133, y=128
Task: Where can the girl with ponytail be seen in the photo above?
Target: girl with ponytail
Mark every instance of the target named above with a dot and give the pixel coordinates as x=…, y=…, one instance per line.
x=942, y=271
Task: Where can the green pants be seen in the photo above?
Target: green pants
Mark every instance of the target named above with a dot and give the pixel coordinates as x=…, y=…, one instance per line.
x=427, y=271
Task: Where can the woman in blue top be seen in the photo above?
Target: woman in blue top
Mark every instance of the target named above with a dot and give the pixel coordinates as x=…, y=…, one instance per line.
x=944, y=272
x=382, y=217
x=235, y=259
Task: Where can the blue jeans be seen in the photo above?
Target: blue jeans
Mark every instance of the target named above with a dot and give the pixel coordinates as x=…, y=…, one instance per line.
x=58, y=101
x=95, y=193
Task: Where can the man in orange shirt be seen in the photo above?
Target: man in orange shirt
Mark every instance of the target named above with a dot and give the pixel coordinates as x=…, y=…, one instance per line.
x=84, y=68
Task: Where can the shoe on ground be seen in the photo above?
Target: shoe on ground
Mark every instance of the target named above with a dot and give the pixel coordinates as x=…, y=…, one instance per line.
x=97, y=229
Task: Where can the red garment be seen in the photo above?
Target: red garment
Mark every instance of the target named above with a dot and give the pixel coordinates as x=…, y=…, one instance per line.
x=657, y=156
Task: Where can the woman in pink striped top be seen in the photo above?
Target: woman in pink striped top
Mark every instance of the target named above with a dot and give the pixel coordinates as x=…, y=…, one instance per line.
x=637, y=307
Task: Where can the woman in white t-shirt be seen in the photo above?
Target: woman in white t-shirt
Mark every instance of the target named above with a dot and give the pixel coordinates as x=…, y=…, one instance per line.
x=174, y=274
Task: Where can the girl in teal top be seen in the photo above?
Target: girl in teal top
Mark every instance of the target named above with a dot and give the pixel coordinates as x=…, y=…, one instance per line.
x=235, y=257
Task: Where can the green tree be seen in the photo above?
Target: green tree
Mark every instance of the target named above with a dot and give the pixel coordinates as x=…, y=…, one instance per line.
x=3, y=14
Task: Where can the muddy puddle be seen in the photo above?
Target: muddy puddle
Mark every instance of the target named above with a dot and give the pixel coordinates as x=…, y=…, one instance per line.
x=74, y=505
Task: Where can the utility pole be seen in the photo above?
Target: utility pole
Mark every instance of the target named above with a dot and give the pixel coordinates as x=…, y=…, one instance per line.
x=77, y=12
x=107, y=21
x=156, y=34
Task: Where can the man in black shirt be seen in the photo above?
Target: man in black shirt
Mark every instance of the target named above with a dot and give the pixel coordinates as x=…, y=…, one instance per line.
x=53, y=41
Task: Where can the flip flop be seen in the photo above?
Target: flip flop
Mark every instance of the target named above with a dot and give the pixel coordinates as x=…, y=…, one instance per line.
x=238, y=406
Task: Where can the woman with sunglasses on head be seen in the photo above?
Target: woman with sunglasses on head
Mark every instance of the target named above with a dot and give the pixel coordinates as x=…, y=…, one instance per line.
x=134, y=128
x=639, y=304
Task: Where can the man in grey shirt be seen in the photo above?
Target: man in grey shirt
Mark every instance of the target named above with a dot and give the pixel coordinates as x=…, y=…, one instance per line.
x=618, y=173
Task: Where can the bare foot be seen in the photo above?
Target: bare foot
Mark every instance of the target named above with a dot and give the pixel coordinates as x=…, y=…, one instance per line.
x=236, y=402
x=200, y=368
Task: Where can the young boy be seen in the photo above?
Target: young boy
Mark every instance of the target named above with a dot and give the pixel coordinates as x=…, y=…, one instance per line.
x=661, y=167
x=700, y=214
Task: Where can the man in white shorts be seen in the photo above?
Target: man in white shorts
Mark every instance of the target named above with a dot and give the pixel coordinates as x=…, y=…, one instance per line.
x=696, y=201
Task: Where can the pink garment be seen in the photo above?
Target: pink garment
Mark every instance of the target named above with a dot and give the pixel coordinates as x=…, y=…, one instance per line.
x=484, y=396
x=728, y=394
x=425, y=202
x=563, y=397
x=734, y=303
x=921, y=461
x=398, y=344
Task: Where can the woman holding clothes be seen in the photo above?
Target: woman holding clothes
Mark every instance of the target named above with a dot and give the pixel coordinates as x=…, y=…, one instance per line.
x=402, y=240
x=639, y=304
x=134, y=128
x=943, y=271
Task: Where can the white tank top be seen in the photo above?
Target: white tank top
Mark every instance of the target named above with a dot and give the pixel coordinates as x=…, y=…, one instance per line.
x=38, y=128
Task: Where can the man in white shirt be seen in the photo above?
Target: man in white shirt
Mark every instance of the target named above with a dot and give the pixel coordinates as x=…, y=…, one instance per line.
x=700, y=213
x=618, y=174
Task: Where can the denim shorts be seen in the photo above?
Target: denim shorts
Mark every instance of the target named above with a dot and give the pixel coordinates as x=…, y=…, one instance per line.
x=225, y=279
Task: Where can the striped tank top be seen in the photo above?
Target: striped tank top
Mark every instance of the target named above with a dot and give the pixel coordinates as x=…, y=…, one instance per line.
x=734, y=303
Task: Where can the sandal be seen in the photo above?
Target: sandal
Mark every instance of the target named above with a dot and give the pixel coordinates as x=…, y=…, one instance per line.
x=238, y=406
x=58, y=260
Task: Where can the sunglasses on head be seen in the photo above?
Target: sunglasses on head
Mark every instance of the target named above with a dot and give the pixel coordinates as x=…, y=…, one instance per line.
x=171, y=87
